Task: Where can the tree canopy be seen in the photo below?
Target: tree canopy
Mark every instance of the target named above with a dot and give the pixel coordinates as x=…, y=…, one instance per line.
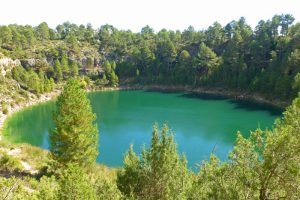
x=75, y=137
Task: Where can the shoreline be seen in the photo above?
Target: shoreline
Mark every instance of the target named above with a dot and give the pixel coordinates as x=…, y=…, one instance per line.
x=256, y=98
x=44, y=98
x=31, y=102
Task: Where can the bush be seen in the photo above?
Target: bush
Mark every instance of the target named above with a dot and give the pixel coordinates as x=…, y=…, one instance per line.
x=75, y=184
x=2, y=79
x=12, y=104
x=48, y=188
x=4, y=107
x=19, y=100
x=9, y=163
x=13, y=188
x=161, y=173
x=5, y=110
x=105, y=188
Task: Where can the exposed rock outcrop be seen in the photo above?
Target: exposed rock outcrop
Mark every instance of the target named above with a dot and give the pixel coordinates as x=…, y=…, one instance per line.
x=7, y=64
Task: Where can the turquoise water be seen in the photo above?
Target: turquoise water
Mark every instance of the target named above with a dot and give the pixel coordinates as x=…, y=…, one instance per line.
x=201, y=123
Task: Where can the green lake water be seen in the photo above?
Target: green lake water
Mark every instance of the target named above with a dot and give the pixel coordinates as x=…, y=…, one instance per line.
x=201, y=123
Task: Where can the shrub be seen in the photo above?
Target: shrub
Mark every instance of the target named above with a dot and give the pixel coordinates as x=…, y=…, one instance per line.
x=48, y=188
x=105, y=188
x=75, y=184
x=9, y=163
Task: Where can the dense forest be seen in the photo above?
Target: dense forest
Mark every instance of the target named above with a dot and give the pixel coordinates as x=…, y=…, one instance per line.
x=265, y=60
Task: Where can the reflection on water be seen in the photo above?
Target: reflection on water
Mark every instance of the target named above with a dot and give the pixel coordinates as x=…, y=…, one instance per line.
x=238, y=103
x=200, y=122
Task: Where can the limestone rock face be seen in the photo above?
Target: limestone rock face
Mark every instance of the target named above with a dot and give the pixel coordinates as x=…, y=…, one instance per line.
x=6, y=65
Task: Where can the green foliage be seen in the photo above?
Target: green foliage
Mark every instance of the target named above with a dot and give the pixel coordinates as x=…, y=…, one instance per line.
x=296, y=84
x=265, y=60
x=230, y=57
x=49, y=85
x=114, y=65
x=107, y=67
x=13, y=188
x=57, y=71
x=4, y=107
x=64, y=65
x=75, y=184
x=281, y=171
x=104, y=188
x=9, y=163
x=75, y=138
x=48, y=188
x=36, y=83
x=160, y=174
x=73, y=69
x=265, y=166
x=42, y=31
x=72, y=42
x=104, y=78
x=6, y=35
x=114, y=80
x=90, y=63
x=205, y=63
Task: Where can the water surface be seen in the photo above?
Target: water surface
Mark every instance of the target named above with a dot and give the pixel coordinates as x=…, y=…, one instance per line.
x=201, y=123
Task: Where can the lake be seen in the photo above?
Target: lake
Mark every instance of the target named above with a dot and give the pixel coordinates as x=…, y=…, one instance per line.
x=201, y=123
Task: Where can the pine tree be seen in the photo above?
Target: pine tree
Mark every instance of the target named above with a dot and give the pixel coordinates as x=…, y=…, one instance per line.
x=64, y=65
x=57, y=71
x=114, y=80
x=113, y=65
x=75, y=184
x=107, y=67
x=52, y=84
x=75, y=138
x=73, y=69
x=161, y=173
x=264, y=166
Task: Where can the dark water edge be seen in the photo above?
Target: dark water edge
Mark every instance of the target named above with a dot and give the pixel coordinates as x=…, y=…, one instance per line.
x=248, y=104
x=221, y=93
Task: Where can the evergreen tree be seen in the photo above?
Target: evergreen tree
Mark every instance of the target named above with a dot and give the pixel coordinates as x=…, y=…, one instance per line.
x=34, y=82
x=6, y=35
x=296, y=84
x=107, y=67
x=47, y=86
x=104, y=79
x=57, y=71
x=64, y=65
x=42, y=31
x=73, y=69
x=265, y=166
x=206, y=60
x=113, y=65
x=75, y=184
x=72, y=42
x=114, y=80
x=52, y=84
x=75, y=138
x=160, y=174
